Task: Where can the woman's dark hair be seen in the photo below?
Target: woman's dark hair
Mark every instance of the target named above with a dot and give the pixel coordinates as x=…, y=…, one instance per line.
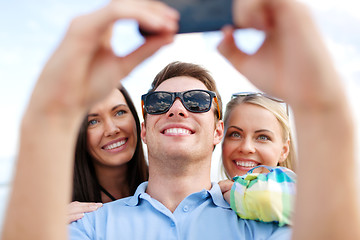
x=86, y=187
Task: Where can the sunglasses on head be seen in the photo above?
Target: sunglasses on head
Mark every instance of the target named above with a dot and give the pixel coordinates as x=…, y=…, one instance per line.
x=250, y=94
x=197, y=101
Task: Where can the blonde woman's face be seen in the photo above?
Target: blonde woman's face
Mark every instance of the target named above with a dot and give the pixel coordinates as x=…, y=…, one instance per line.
x=253, y=137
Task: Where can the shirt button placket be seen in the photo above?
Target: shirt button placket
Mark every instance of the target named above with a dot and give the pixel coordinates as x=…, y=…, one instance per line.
x=174, y=234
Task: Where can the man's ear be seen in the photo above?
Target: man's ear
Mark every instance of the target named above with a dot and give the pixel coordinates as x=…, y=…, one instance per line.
x=143, y=132
x=218, y=132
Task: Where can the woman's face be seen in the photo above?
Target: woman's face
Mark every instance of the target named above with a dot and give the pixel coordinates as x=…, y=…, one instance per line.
x=253, y=137
x=111, y=132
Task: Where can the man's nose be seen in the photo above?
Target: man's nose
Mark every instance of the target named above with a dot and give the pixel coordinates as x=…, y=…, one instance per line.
x=177, y=109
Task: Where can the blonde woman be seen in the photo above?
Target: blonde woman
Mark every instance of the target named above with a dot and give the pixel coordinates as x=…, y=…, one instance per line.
x=257, y=132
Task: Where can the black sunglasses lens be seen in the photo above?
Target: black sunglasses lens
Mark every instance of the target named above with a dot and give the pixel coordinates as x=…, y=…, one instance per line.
x=158, y=102
x=197, y=101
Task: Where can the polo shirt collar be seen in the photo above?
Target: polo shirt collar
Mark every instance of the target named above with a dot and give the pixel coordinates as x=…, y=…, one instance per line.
x=134, y=200
x=214, y=192
x=217, y=196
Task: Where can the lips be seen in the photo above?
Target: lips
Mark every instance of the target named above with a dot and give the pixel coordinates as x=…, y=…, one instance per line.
x=245, y=164
x=177, y=130
x=115, y=144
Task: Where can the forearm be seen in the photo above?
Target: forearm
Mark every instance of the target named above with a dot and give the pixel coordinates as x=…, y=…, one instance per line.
x=296, y=66
x=42, y=183
x=327, y=192
x=82, y=71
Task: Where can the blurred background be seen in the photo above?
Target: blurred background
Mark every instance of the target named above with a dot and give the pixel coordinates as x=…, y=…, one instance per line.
x=31, y=30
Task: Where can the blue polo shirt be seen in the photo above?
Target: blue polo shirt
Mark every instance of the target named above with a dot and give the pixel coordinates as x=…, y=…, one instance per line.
x=201, y=215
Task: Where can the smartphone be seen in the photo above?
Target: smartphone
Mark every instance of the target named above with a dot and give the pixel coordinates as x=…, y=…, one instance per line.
x=201, y=15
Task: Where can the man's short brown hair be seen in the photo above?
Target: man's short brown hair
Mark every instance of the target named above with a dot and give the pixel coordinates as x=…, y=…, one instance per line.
x=178, y=69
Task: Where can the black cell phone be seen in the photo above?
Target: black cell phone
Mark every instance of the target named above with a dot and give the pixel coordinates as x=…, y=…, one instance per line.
x=201, y=15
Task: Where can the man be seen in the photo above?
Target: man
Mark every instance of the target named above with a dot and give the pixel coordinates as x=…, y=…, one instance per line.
x=293, y=64
x=179, y=201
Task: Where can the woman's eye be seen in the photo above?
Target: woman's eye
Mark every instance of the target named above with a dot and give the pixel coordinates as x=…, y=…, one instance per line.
x=235, y=135
x=264, y=138
x=92, y=122
x=120, y=112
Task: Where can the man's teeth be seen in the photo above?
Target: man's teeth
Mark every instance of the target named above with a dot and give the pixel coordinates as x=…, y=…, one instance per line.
x=246, y=164
x=177, y=131
x=115, y=145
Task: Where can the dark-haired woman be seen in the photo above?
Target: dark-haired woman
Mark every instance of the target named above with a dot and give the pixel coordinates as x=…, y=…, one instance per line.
x=109, y=158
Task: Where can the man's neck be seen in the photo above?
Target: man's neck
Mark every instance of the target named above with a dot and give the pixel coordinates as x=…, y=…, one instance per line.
x=171, y=187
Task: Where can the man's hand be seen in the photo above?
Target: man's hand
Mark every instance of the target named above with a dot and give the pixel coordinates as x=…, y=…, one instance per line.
x=293, y=64
x=81, y=71
x=84, y=68
x=291, y=57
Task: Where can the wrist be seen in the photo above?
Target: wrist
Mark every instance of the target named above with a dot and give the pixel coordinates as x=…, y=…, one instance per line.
x=56, y=122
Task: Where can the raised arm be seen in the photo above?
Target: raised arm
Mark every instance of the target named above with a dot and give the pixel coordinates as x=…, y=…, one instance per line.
x=81, y=71
x=294, y=64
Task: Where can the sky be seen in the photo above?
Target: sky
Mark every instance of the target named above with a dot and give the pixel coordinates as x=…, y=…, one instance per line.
x=31, y=30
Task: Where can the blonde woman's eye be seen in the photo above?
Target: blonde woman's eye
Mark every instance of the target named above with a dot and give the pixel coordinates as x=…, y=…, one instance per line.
x=264, y=138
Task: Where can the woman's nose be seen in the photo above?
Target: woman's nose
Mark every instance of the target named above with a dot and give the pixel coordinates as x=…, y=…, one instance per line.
x=246, y=146
x=111, y=128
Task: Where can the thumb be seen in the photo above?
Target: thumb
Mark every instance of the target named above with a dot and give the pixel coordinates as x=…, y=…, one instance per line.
x=229, y=50
x=225, y=185
x=151, y=45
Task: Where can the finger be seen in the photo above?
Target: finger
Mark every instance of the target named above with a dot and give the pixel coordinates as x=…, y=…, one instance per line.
x=225, y=185
x=252, y=13
x=227, y=196
x=229, y=50
x=82, y=207
x=152, y=15
x=106, y=38
x=75, y=217
x=152, y=19
x=151, y=45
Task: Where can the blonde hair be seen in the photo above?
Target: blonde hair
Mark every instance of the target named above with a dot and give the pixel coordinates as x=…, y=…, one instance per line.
x=279, y=111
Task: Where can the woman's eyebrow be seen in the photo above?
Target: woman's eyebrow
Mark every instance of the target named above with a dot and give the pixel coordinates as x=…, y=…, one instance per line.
x=119, y=105
x=92, y=115
x=257, y=131
x=240, y=129
x=263, y=130
x=112, y=109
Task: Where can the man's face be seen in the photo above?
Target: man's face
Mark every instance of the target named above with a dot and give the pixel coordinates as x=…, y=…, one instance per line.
x=178, y=133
